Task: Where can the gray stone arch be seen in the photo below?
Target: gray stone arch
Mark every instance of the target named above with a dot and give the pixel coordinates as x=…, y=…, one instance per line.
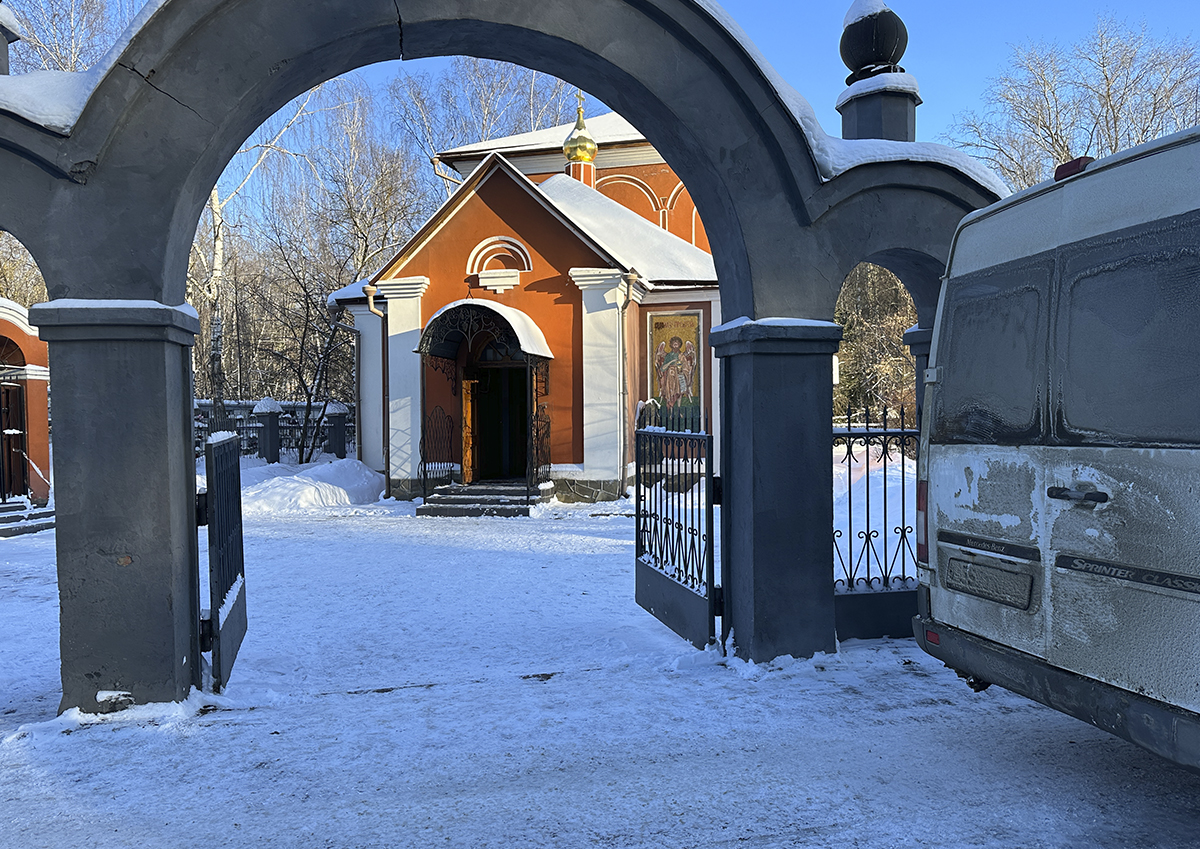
x=108, y=208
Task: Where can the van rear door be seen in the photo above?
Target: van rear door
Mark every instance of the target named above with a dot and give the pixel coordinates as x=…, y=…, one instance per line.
x=988, y=406
x=1123, y=463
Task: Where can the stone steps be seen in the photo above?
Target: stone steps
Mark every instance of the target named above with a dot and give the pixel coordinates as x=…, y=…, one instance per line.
x=483, y=499
x=17, y=518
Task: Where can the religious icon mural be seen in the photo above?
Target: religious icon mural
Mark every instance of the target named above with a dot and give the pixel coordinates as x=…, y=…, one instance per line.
x=676, y=378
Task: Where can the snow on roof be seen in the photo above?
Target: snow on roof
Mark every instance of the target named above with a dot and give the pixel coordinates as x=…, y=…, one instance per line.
x=9, y=21
x=528, y=333
x=609, y=128
x=863, y=9
x=636, y=243
x=905, y=83
x=354, y=290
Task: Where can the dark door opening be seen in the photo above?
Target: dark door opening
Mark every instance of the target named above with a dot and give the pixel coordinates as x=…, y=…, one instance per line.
x=502, y=410
x=12, y=441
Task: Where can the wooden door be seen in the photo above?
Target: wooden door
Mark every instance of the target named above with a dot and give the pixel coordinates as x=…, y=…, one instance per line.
x=12, y=441
x=470, y=454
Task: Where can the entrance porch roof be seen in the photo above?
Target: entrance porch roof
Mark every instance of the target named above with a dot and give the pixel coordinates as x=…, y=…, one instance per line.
x=529, y=335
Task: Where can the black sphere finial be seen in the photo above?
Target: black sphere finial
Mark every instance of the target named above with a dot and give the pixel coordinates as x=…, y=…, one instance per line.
x=873, y=42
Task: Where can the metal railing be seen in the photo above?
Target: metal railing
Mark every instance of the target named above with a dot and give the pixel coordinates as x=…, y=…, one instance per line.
x=439, y=438
x=291, y=435
x=673, y=502
x=874, y=514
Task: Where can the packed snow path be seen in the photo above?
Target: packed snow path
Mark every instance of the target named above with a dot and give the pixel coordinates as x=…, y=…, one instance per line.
x=490, y=683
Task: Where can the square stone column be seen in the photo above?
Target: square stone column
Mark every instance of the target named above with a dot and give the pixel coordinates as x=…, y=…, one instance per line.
x=777, y=514
x=125, y=500
x=405, y=415
x=603, y=465
x=919, y=341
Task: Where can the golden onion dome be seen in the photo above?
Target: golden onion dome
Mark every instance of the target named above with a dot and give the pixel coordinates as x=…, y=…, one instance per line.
x=580, y=146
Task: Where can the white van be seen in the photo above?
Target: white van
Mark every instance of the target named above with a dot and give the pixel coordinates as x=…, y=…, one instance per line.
x=1059, y=474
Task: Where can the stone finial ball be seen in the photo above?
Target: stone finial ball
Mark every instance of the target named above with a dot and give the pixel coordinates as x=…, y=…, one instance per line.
x=874, y=44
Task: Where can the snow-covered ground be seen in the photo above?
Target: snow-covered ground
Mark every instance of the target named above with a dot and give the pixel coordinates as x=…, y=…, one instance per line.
x=490, y=683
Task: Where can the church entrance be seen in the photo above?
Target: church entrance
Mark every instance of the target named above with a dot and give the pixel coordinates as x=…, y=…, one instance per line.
x=495, y=360
x=502, y=419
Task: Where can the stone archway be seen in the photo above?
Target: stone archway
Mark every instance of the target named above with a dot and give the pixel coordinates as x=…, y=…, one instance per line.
x=106, y=193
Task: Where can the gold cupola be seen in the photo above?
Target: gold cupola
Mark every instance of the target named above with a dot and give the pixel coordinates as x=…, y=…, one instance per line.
x=580, y=149
x=580, y=146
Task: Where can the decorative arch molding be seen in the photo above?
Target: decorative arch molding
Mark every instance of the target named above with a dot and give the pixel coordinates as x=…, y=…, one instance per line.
x=638, y=184
x=676, y=194
x=498, y=246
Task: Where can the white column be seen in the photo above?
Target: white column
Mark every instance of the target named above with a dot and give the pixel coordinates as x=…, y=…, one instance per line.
x=403, y=296
x=370, y=385
x=602, y=297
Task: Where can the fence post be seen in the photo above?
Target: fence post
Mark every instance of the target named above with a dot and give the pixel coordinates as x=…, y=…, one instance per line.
x=776, y=544
x=268, y=439
x=335, y=435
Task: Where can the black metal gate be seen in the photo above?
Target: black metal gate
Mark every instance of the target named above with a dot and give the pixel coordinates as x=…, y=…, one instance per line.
x=537, y=470
x=874, y=518
x=674, y=541
x=223, y=625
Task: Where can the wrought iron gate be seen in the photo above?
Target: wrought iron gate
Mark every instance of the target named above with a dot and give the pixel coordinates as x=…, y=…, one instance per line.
x=223, y=625
x=674, y=529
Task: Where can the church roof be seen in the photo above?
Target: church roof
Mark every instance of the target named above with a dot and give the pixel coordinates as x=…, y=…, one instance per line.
x=635, y=243
x=627, y=240
x=606, y=129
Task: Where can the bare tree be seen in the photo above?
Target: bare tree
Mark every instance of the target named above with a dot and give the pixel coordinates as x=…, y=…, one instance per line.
x=69, y=35
x=20, y=279
x=474, y=100
x=876, y=368
x=1116, y=88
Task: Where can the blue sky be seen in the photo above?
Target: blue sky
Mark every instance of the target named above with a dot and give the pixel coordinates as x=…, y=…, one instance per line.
x=954, y=47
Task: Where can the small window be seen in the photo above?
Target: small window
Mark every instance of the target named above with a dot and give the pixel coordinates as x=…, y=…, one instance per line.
x=1128, y=348
x=991, y=352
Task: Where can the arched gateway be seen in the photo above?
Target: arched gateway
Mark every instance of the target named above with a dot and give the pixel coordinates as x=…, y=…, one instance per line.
x=105, y=175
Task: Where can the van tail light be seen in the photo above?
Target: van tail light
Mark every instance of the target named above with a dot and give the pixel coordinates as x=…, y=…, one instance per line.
x=923, y=522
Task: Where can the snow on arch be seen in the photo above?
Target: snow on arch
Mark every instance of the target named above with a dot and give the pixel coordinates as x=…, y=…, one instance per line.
x=17, y=315
x=529, y=335
x=496, y=246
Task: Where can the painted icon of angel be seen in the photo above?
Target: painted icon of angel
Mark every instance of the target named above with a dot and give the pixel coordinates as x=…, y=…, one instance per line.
x=676, y=370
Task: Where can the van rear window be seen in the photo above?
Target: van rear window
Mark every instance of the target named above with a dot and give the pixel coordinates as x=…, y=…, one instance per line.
x=991, y=351
x=1127, y=368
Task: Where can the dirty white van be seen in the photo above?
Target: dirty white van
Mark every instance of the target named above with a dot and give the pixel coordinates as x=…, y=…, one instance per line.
x=1059, y=474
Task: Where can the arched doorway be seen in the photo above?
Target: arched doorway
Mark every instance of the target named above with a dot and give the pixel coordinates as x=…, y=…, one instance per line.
x=106, y=193
x=494, y=360
x=24, y=408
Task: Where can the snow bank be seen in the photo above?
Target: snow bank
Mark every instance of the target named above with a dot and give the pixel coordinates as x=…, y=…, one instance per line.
x=342, y=483
x=869, y=492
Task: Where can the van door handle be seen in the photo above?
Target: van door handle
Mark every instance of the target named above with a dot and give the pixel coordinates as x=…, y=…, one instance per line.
x=1066, y=494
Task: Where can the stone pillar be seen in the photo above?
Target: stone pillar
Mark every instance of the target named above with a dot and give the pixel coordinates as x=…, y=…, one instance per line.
x=268, y=436
x=405, y=417
x=603, y=474
x=777, y=516
x=919, y=341
x=125, y=500
x=335, y=435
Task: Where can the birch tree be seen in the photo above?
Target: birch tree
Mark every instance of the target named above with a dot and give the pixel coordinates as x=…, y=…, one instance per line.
x=474, y=100
x=1116, y=88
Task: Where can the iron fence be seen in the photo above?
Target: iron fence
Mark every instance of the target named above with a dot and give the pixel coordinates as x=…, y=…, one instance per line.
x=291, y=436
x=538, y=471
x=673, y=502
x=874, y=515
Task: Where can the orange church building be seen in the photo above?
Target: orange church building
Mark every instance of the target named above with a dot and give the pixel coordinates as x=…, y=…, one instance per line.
x=24, y=408
x=515, y=335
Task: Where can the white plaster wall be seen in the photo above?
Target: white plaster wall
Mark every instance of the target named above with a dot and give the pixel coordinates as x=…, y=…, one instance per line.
x=370, y=416
x=404, y=379
x=602, y=298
